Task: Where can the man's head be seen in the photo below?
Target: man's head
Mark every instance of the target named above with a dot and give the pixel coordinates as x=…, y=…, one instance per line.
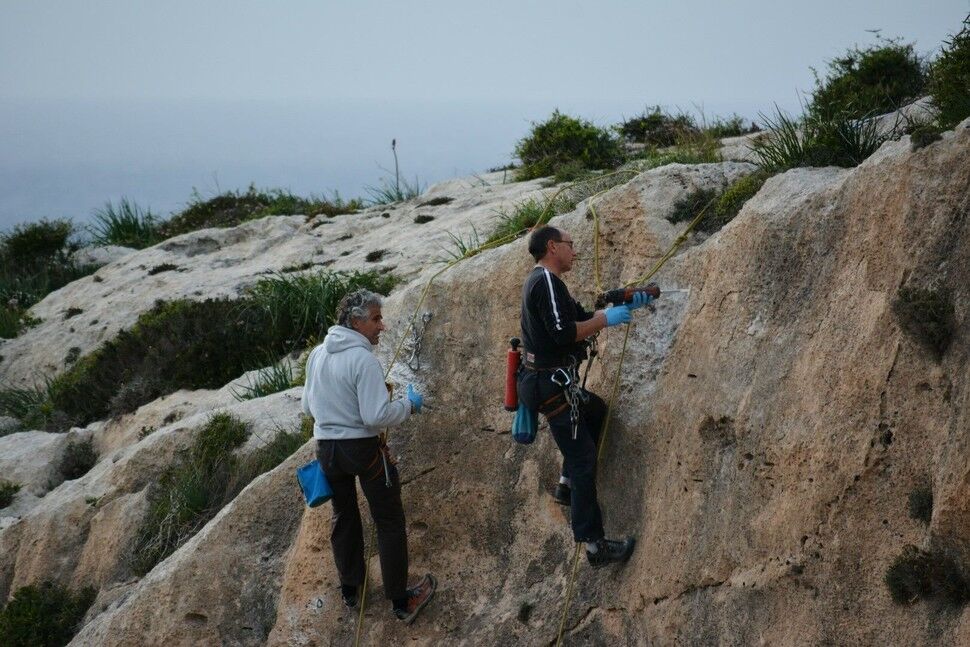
x=361, y=311
x=552, y=247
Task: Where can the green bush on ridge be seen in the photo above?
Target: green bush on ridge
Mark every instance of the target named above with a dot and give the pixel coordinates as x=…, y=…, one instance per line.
x=127, y=225
x=869, y=81
x=8, y=490
x=47, y=615
x=190, y=344
x=950, y=78
x=562, y=140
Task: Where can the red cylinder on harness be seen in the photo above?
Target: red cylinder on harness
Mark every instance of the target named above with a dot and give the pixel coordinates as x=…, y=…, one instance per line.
x=512, y=359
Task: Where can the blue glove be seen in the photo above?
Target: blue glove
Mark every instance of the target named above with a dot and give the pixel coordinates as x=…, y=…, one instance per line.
x=640, y=299
x=416, y=399
x=617, y=315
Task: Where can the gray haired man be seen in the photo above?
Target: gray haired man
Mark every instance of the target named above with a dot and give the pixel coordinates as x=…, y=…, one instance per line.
x=347, y=397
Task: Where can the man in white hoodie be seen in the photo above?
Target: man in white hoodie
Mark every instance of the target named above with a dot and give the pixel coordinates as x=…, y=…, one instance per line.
x=347, y=397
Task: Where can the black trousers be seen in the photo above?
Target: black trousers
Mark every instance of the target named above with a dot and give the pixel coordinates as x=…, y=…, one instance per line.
x=343, y=461
x=579, y=454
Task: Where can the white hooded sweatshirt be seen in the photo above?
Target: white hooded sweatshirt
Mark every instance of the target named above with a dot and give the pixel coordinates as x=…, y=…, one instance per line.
x=345, y=390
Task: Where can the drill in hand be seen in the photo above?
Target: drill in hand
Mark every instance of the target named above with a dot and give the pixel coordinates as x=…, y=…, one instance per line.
x=625, y=295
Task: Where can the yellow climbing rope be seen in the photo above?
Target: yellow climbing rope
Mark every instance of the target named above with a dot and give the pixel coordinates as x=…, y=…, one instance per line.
x=616, y=378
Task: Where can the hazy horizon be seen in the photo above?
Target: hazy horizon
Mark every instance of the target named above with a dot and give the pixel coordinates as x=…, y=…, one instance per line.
x=114, y=98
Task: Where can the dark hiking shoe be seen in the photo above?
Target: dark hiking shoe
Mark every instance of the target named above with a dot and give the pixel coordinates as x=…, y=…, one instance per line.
x=610, y=551
x=562, y=494
x=418, y=596
x=349, y=595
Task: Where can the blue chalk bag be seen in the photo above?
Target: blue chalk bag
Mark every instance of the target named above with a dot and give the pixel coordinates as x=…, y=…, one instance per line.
x=313, y=482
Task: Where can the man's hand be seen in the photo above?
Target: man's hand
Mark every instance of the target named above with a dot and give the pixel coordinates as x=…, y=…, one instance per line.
x=416, y=399
x=617, y=315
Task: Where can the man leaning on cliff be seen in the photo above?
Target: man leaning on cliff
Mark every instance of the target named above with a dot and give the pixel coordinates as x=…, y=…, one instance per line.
x=346, y=395
x=554, y=330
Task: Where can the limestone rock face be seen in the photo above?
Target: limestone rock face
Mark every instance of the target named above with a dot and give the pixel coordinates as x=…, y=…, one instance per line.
x=771, y=419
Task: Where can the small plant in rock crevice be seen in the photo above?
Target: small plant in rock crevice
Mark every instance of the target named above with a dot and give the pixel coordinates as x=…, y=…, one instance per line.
x=8, y=490
x=78, y=459
x=521, y=217
x=690, y=206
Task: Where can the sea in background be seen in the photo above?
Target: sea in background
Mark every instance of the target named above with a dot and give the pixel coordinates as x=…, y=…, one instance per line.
x=66, y=159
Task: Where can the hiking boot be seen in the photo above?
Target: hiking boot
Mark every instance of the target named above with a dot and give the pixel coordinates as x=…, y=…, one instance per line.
x=562, y=494
x=610, y=551
x=417, y=597
x=349, y=595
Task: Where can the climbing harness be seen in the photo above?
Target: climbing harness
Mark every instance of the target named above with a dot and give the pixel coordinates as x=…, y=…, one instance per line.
x=544, y=217
x=417, y=341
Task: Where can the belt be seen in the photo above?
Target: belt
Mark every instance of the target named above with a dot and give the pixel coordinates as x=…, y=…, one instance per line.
x=529, y=363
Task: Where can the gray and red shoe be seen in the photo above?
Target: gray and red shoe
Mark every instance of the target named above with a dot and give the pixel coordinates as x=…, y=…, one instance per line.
x=417, y=598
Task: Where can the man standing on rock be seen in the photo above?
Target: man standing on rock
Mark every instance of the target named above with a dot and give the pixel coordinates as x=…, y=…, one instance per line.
x=347, y=397
x=554, y=330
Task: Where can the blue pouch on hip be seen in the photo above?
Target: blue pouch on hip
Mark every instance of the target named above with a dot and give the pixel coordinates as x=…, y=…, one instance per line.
x=313, y=482
x=525, y=424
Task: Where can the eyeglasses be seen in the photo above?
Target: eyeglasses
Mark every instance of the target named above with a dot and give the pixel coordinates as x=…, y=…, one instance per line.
x=566, y=242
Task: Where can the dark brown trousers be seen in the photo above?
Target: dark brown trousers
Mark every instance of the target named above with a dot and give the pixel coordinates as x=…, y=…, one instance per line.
x=343, y=462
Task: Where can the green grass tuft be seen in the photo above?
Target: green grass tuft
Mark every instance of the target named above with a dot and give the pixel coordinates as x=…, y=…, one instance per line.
x=929, y=575
x=730, y=202
x=732, y=126
x=688, y=207
x=47, y=615
x=126, y=225
x=563, y=141
x=928, y=316
x=816, y=140
x=461, y=247
x=271, y=379
x=950, y=78
x=8, y=490
x=521, y=218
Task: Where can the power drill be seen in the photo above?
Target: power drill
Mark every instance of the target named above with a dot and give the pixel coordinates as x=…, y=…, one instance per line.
x=625, y=295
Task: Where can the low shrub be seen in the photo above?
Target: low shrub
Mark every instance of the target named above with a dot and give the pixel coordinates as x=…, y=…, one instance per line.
x=44, y=616
x=162, y=267
x=927, y=315
x=562, y=140
x=870, y=81
x=79, y=457
x=8, y=490
x=655, y=127
x=695, y=148
x=816, y=140
x=730, y=202
x=921, y=503
x=924, y=135
x=233, y=208
x=950, y=78
x=375, y=256
x=193, y=345
x=422, y=218
x=38, y=242
x=690, y=206
x=929, y=575
x=437, y=202
x=127, y=225
x=204, y=478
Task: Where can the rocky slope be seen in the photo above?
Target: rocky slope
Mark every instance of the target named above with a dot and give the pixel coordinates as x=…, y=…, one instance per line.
x=771, y=422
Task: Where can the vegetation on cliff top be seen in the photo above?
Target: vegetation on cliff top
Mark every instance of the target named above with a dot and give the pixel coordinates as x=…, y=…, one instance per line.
x=950, y=78
x=47, y=615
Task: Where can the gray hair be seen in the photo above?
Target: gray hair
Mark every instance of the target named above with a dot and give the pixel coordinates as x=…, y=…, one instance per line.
x=356, y=305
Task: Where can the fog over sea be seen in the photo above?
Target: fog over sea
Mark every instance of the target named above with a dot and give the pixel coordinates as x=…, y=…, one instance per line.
x=61, y=159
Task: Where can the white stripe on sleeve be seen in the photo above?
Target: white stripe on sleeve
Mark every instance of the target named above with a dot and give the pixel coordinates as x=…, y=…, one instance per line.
x=552, y=297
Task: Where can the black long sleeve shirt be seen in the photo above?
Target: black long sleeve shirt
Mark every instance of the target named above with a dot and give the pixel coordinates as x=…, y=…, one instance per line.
x=549, y=316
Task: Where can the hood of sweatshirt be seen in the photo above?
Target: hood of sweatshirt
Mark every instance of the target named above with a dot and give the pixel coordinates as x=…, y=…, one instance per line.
x=341, y=338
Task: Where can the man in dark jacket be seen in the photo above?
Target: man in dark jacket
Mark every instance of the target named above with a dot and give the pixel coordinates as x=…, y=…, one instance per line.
x=554, y=332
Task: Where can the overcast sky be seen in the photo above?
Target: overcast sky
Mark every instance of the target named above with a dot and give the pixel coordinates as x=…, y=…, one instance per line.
x=64, y=63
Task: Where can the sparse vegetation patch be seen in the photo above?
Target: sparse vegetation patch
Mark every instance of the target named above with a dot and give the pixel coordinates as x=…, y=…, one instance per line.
x=690, y=206
x=47, y=615
x=921, y=503
x=657, y=128
x=127, y=225
x=163, y=267
x=79, y=457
